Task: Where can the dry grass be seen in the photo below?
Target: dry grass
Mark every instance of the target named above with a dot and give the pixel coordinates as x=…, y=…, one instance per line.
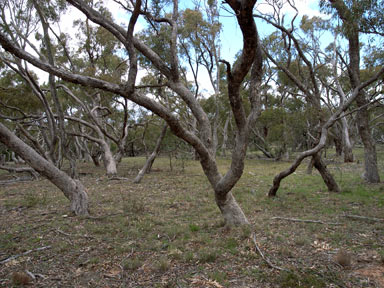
x=166, y=232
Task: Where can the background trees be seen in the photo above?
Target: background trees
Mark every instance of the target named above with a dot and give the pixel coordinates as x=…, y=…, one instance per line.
x=89, y=106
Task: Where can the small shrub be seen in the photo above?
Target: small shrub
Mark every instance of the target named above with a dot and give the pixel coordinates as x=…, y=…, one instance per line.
x=206, y=256
x=132, y=264
x=188, y=256
x=194, y=227
x=163, y=265
x=218, y=276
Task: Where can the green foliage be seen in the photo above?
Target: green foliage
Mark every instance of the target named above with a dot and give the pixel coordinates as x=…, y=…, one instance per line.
x=194, y=227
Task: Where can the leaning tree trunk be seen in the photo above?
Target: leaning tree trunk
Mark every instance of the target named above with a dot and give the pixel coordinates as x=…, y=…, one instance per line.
x=148, y=164
x=325, y=174
x=72, y=189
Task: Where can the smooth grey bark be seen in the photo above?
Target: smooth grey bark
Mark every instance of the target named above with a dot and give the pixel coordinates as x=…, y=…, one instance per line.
x=72, y=189
x=225, y=135
x=347, y=145
x=52, y=85
x=148, y=164
x=351, y=28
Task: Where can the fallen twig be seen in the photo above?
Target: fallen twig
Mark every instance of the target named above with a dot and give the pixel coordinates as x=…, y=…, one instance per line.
x=71, y=235
x=306, y=221
x=269, y=263
x=103, y=216
x=23, y=254
x=118, y=178
x=358, y=217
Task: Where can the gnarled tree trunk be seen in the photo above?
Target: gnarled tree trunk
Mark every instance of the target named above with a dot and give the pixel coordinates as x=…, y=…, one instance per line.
x=230, y=209
x=72, y=189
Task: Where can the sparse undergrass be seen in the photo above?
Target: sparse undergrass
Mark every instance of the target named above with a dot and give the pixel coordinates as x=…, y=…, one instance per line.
x=167, y=231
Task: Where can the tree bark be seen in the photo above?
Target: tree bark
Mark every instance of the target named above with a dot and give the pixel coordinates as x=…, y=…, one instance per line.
x=347, y=146
x=230, y=209
x=351, y=28
x=148, y=164
x=109, y=160
x=72, y=189
x=325, y=174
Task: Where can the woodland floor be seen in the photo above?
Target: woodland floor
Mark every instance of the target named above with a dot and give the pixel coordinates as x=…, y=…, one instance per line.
x=167, y=231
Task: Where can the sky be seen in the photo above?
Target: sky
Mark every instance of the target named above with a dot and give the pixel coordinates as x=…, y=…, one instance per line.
x=231, y=38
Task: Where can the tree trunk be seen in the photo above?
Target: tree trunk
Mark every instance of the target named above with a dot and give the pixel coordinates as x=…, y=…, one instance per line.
x=225, y=135
x=325, y=174
x=347, y=146
x=95, y=156
x=230, y=209
x=109, y=160
x=338, y=144
x=352, y=29
x=148, y=164
x=310, y=166
x=72, y=189
x=371, y=173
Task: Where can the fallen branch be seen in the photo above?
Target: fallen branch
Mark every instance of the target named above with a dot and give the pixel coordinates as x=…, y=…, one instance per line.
x=16, y=180
x=23, y=254
x=29, y=170
x=306, y=221
x=118, y=178
x=358, y=217
x=71, y=235
x=269, y=263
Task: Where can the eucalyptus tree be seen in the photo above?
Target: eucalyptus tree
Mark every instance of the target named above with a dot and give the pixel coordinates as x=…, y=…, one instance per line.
x=301, y=67
x=201, y=34
x=72, y=189
x=305, y=64
x=26, y=106
x=250, y=60
x=360, y=17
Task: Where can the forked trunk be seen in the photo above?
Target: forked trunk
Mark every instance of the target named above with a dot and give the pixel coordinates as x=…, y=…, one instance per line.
x=230, y=209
